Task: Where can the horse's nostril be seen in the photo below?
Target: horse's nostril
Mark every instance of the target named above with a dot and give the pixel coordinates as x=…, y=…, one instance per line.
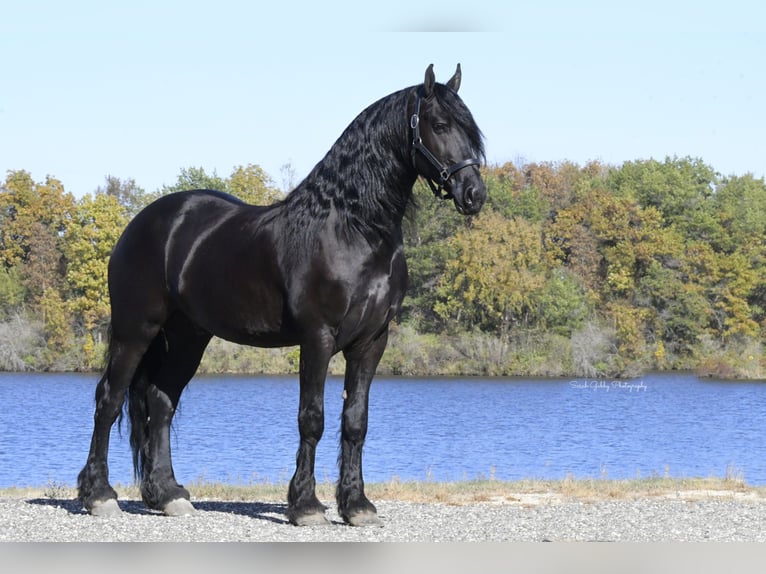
x=468, y=197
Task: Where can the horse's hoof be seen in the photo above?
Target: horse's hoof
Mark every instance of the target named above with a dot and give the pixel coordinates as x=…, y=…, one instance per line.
x=313, y=519
x=179, y=507
x=105, y=508
x=364, y=518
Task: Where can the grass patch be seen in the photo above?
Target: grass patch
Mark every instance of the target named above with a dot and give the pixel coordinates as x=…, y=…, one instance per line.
x=454, y=493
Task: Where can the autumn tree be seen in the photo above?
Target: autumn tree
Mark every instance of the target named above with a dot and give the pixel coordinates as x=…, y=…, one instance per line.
x=33, y=218
x=611, y=242
x=127, y=193
x=727, y=280
x=26, y=207
x=511, y=195
x=427, y=228
x=91, y=234
x=493, y=276
x=249, y=183
x=601, y=269
x=253, y=185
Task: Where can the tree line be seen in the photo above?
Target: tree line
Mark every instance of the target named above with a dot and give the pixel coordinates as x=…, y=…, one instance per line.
x=570, y=270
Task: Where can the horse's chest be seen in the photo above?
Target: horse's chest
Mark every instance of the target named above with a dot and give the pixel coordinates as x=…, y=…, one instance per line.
x=377, y=294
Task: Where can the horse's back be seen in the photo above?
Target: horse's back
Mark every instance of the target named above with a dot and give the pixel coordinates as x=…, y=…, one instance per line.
x=206, y=254
x=163, y=231
x=145, y=240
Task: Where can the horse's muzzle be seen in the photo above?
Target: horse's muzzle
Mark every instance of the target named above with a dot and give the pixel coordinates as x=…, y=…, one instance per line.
x=469, y=194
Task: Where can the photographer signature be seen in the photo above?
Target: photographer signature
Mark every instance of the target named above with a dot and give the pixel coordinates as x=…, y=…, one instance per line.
x=602, y=385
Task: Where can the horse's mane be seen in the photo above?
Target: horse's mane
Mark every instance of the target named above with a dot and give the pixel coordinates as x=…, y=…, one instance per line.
x=367, y=175
x=361, y=176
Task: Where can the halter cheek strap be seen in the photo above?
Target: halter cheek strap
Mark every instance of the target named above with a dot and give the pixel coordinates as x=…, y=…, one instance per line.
x=445, y=171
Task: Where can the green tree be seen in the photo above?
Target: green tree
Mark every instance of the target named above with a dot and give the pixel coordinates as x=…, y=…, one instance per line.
x=95, y=227
x=494, y=275
x=679, y=313
x=679, y=188
x=129, y=195
x=741, y=203
x=727, y=281
x=57, y=325
x=511, y=195
x=562, y=304
x=26, y=207
x=253, y=185
x=610, y=241
x=427, y=228
x=196, y=178
x=12, y=291
x=33, y=217
x=249, y=183
x=43, y=267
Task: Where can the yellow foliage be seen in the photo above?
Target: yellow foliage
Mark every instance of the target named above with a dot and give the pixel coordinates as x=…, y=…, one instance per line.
x=496, y=268
x=91, y=234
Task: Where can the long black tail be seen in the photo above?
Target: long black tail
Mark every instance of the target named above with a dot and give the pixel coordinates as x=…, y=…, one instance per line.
x=137, y=407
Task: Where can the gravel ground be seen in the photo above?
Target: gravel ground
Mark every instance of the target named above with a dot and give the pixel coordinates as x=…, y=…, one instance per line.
x=682, y=517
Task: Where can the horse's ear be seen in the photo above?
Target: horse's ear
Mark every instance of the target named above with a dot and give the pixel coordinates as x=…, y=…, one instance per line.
x=428, y=83
x=454, y=81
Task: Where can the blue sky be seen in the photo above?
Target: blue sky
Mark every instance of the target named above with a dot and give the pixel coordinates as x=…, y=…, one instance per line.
x=142, y=89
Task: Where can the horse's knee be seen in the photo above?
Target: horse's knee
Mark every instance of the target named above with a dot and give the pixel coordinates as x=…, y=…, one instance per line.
x=311, y=424
x=109, y=401
x=354, y=424
x=354, y=434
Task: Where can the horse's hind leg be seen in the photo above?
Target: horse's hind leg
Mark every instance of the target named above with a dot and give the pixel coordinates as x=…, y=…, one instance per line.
x=94, y=490
x=176, y=354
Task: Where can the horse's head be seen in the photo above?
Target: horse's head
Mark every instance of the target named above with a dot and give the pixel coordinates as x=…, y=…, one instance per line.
x=447, y=146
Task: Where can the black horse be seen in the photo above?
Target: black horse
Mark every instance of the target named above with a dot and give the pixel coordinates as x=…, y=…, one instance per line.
x=323, y=269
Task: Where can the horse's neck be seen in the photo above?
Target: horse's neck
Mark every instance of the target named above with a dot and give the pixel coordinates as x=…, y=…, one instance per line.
x=365, y=180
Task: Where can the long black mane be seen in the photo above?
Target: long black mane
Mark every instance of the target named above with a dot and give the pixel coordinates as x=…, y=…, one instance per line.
x=367, y=175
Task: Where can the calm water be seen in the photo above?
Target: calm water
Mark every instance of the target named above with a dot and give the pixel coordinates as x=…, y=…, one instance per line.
x=244, y=429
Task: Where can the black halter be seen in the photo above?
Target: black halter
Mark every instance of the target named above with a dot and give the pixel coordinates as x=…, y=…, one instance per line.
x=445, y=171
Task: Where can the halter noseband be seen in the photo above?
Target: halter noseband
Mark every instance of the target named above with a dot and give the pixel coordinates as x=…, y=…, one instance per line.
x=445, y=171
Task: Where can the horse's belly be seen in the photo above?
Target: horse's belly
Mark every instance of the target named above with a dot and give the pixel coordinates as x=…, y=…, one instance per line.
x=256, y=339
x=247, y=318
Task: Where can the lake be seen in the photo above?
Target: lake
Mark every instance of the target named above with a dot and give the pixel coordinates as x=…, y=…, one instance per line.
x=243, y=430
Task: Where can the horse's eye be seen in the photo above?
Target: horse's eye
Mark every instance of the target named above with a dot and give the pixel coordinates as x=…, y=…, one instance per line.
x=440, y=127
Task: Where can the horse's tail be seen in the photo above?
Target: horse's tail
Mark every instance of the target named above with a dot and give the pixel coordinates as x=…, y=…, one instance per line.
x=137, y=404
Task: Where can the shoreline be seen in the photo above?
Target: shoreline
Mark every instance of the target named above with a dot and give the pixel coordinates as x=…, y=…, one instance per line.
x=428, y=491
x=649, y=510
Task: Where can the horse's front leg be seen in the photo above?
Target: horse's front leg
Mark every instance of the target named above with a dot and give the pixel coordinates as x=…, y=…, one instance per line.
x=361, y=363
x=304, y=508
